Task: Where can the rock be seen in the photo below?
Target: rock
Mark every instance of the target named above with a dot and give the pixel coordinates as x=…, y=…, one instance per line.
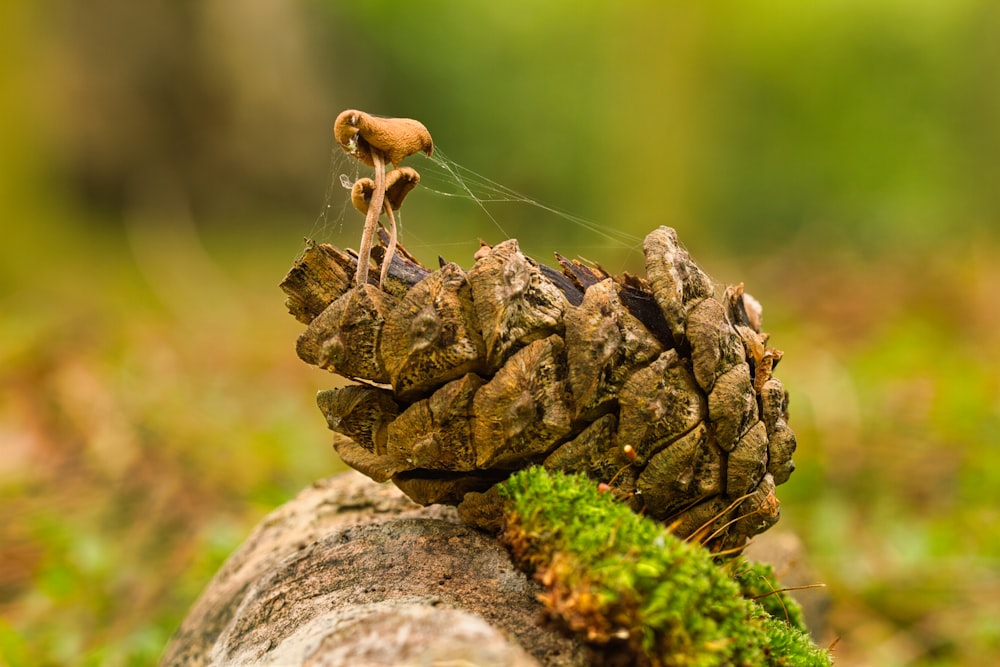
x=392, y=633
x=353, y=572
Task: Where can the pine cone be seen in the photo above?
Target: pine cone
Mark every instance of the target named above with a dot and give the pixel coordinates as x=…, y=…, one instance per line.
x=654, y=387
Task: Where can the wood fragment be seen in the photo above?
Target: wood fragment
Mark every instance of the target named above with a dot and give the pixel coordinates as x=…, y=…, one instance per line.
x=781, y=439
x=756, y=514
x=682, y=474
x=360, y=412
x=436, y=433
x=404, y=270
x=659, y=403
x=605, y=345
x=715, y=345
x=747, y=461
x=523, y=412
x=317, y=279
x=425, y=487
x=595, y=453
x=572, y=292
x=676, y=281
x=732, y=406
x=515, y=304
x=345, y=337
x=379, y=468
x=432, y=336
x=704, y=518
x=581, y=275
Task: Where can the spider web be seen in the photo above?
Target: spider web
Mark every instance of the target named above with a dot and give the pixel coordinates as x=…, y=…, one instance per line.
x=444, y=178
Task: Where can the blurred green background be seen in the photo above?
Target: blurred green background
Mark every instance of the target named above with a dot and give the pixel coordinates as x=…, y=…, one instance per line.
x=160, y=163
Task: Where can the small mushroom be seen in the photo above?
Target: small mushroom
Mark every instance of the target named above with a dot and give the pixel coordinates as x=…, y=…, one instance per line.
x=362, y=134
x=399, y=182
x=374, y=140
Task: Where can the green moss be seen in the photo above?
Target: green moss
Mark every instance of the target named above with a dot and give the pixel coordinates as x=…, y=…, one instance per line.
x=758, y=582
x=623, y=581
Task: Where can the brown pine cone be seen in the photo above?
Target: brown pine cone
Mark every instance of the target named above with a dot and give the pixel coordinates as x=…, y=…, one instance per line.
x=654, y=387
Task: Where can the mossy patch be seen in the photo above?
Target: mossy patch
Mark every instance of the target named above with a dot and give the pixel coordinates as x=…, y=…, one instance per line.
x=626, y=583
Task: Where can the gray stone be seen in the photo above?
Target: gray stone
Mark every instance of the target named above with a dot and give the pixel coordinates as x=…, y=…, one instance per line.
x=352, y=572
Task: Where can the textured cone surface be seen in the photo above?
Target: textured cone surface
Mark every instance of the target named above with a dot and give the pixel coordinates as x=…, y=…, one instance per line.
x=654, y=387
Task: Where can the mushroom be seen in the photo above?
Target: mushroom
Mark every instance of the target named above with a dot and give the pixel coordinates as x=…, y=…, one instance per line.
x=398, y=184
x=375, y=140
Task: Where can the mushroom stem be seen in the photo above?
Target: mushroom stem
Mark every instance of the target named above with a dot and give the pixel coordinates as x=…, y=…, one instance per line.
x=371, y=220
x=391, y=248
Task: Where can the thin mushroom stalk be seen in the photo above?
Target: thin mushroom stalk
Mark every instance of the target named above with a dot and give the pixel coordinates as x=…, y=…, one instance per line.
x=398, y=184
x=390, y=250
x=371, y=220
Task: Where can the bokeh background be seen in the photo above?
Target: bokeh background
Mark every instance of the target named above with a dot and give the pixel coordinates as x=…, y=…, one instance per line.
x=161, y=162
